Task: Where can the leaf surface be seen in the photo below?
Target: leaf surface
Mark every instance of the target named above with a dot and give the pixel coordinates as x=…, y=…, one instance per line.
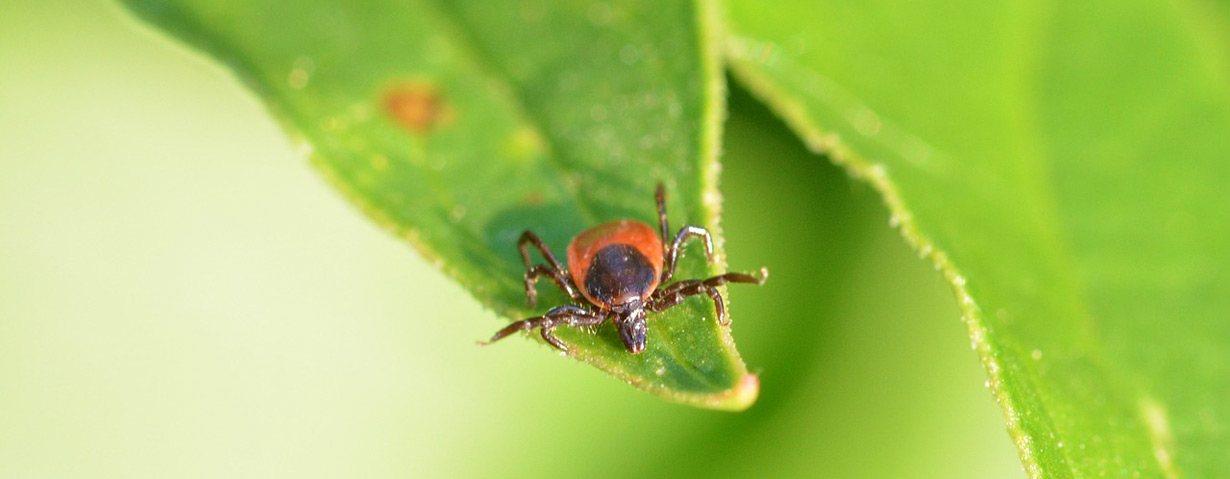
x=457, y=125
x=1064, y=164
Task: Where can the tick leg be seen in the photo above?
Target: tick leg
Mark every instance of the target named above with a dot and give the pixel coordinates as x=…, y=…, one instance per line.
x=674, y=294
x=559, y=277
x=550, y=338
x=567, y=315
x=659, y=195
x=556, y=271
x=672, y=252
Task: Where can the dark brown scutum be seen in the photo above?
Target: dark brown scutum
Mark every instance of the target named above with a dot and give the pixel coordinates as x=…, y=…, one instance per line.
x=617, y=272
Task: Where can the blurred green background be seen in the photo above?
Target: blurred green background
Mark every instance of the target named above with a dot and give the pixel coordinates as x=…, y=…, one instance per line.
x=181, y=295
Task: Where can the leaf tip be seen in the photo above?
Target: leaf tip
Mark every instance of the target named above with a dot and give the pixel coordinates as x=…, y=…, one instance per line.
x=738, y=398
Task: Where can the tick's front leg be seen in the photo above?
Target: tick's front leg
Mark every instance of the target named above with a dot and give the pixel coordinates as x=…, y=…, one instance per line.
x=565, y=315
x=672, y=251
x=674, y=294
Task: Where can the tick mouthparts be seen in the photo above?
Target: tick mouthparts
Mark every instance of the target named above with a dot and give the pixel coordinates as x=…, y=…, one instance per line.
x=633, y=334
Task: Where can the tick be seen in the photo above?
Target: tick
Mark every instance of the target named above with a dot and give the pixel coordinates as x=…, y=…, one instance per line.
x=619, y=271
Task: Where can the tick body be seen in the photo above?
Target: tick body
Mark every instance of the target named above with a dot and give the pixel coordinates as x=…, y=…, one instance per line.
x=616, y=271
x=616, y=262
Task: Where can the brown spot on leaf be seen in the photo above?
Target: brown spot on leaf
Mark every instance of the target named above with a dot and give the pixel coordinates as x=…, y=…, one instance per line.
x=534, y=198
x=416, y=106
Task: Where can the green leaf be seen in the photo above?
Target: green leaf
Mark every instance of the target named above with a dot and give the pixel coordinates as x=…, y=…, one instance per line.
x=458, y=125
x=1064, y=165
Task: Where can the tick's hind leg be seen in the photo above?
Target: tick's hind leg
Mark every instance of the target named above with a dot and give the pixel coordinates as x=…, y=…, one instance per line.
x=674, y=294
x=555, y=271
x=568, y=315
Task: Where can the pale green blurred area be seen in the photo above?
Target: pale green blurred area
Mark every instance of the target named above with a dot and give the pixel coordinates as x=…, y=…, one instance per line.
x=182, y=296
